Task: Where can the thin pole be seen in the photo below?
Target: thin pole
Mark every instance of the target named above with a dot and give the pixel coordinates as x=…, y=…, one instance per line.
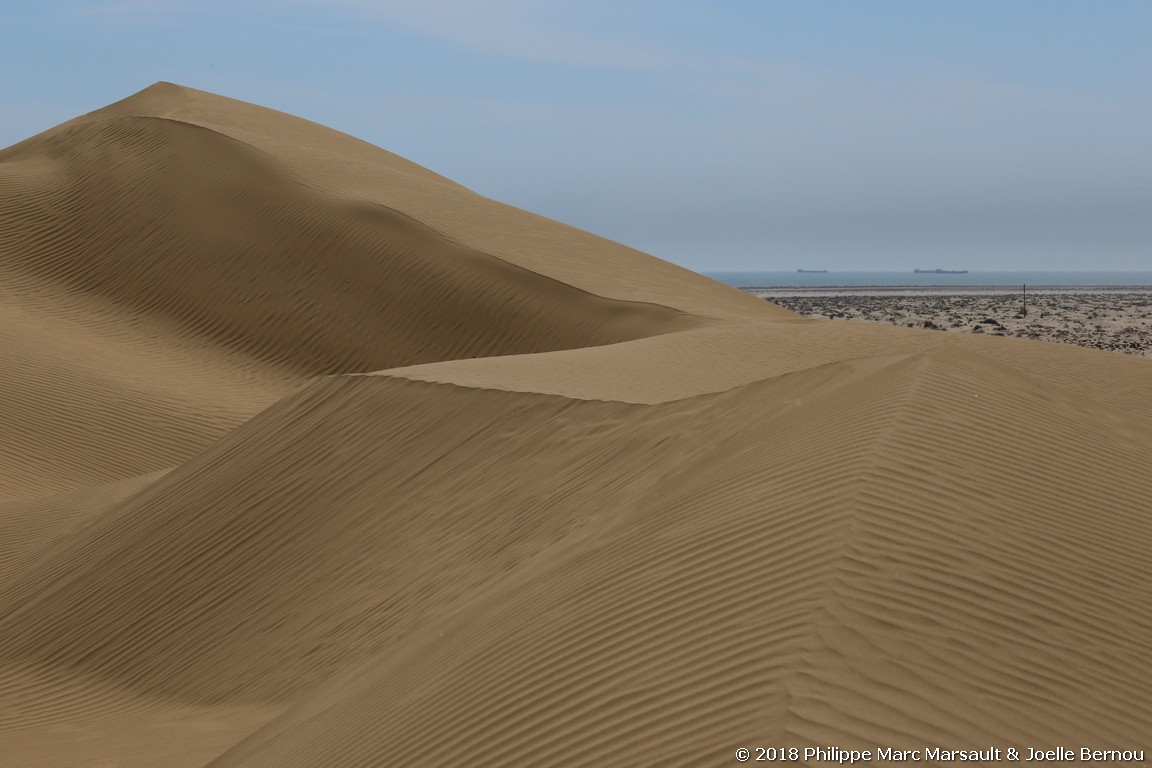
x=1025, y=300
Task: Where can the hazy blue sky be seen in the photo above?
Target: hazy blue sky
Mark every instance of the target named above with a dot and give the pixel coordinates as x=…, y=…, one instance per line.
x=738, y=134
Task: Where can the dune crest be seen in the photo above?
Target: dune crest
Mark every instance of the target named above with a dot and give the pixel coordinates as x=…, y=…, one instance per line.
x=311, y=456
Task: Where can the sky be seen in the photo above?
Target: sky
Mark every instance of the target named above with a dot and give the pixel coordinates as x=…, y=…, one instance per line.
x=716, y=134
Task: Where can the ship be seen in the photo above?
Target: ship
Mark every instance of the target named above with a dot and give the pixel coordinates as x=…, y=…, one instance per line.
x=813, y=271
x=940, y=271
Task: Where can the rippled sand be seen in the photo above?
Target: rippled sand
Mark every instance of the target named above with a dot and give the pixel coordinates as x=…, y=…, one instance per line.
x=311, y=457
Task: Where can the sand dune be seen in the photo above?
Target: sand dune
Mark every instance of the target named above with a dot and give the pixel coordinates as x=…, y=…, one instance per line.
x=311, y=456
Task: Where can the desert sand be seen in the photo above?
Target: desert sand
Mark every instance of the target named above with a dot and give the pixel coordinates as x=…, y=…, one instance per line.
x=312, y=457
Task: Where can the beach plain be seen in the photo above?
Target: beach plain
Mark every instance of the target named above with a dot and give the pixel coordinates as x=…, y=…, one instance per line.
x=1115, y=318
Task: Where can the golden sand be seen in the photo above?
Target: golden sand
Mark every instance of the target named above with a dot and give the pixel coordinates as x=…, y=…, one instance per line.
x=312, y=457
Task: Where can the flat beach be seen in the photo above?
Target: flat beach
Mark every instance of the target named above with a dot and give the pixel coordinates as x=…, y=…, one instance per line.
x=1116, y=318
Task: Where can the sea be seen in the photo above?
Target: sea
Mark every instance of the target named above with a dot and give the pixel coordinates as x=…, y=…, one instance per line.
x=821, y=279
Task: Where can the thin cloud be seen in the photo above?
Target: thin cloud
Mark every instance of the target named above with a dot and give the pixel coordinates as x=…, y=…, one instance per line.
x=125, y=8
x=543, y=31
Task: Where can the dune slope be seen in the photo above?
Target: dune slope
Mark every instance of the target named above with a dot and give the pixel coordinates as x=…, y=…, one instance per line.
x=314, y=457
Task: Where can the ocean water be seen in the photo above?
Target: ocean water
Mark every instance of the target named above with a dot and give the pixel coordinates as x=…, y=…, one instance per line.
x=771, y=279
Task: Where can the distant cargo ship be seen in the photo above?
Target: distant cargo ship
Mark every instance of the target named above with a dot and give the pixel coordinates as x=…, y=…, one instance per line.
x=813, y=271
x=940, y=271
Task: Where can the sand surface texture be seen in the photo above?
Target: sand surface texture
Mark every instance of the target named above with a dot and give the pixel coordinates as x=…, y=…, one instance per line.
x=312, y=457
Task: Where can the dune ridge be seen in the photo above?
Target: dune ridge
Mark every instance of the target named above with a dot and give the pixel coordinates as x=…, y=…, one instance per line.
x=312, y=456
